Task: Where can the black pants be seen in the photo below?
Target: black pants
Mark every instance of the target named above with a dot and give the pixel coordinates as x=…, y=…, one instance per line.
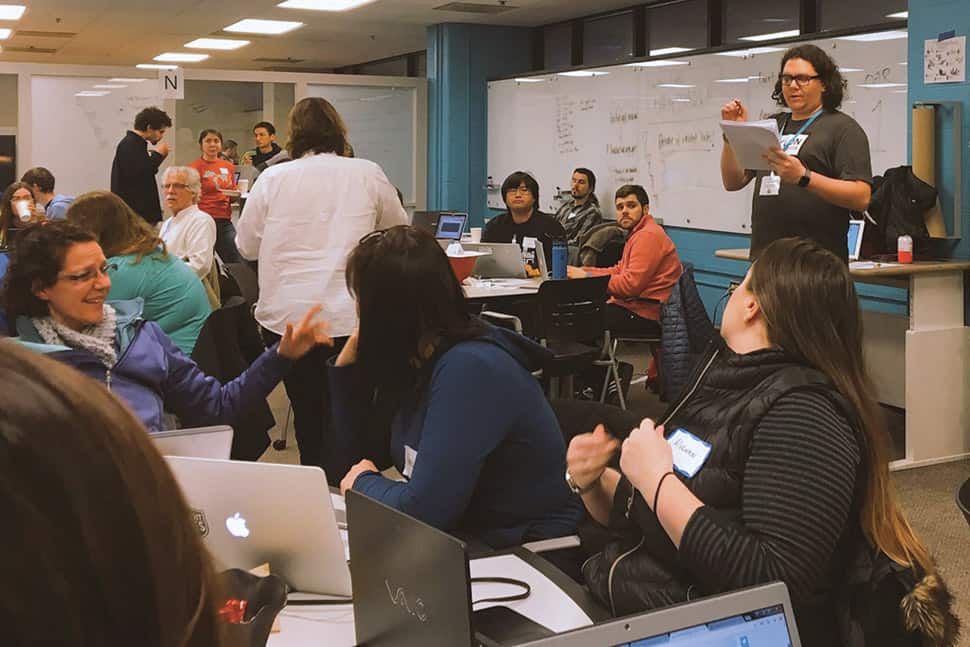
x=620, y=321
x=309, y=393
x=226, y=241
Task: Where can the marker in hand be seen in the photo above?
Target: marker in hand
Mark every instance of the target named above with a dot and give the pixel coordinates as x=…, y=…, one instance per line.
x=734, y=111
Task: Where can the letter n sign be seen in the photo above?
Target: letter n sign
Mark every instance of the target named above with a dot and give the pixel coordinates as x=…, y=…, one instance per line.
x=172, y=83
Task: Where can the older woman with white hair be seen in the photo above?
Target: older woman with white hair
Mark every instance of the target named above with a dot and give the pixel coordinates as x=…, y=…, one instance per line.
x=189, y=233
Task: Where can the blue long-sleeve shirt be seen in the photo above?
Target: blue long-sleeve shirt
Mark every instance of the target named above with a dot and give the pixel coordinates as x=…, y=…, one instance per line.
x=480, y=446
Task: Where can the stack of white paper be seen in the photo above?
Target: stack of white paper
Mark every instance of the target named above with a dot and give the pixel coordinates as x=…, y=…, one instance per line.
x=751, y=140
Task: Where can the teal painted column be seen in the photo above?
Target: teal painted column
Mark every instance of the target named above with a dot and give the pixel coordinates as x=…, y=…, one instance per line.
x=461, y=59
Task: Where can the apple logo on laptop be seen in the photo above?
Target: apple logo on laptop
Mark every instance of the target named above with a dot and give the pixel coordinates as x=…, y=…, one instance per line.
x=236, y=525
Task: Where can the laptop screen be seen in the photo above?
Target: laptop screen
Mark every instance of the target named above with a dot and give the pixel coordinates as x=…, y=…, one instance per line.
x=854, y=239
x=450, y=226
x=759, y=628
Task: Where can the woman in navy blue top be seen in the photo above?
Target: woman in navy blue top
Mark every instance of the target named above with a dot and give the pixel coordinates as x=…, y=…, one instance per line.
x=471, y=431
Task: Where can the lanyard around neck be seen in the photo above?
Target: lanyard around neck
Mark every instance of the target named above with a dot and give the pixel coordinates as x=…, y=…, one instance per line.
x=804, y=127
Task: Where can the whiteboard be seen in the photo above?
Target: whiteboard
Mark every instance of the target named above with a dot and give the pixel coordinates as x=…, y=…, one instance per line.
x=380, y=126
x=75, y=137
x=658, y=125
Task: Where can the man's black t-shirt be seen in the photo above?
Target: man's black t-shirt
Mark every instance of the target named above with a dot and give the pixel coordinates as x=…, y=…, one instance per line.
x=835, y=146
x=541, y=226
x=261, y=157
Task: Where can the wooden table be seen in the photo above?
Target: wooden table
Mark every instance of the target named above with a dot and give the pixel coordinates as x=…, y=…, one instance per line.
x=936, y=356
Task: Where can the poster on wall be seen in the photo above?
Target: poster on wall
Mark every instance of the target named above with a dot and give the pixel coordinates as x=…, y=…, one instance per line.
x=945, y=61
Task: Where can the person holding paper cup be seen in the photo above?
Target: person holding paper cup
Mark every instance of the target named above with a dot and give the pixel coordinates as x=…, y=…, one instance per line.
x=17, y=210
x=820, y=170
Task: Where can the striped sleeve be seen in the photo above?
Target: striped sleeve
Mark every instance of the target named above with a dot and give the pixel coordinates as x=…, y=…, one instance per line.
x=796, y=497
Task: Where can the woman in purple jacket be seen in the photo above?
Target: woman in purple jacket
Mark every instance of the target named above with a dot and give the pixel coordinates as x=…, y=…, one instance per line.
x=56, y=286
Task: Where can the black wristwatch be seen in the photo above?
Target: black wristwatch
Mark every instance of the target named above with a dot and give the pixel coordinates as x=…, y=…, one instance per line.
x=805, y=178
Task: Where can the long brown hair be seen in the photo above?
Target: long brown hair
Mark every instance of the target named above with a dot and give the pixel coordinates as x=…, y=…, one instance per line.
x=316, y=126
x=812, y=313
x=119, y=230
x=7, y=217
x=100, y=547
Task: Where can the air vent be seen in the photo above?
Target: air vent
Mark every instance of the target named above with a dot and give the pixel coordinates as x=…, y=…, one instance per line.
x=29, y=50
x=475, y=7
x=28, y=33
x=266, y=59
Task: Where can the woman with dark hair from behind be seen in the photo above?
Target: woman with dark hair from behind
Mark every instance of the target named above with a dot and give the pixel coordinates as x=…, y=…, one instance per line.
x=300, y=221
x=100, y=543
x=141, y=267
x=471, y=431
x=820, y=173
x=791, y=478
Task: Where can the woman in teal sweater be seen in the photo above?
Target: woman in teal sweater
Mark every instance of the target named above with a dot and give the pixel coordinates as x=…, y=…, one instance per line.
x=139, y=266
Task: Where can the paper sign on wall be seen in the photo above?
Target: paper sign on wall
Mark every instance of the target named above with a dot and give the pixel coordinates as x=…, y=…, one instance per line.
x=171, y=84
x=945, y=61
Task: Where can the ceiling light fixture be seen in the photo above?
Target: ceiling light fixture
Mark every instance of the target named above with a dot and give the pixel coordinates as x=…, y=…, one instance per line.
x=657, y=64
x=5, y=33
x=156, y=66
x=11, y=11
x=216, y=43
x=180, y=57
x=267, y=27
x=772, y=36
x=877, y=36
x=669, y=50
x=323, y=5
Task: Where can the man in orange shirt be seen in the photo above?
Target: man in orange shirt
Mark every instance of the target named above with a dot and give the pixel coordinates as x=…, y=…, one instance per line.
x=647, y=272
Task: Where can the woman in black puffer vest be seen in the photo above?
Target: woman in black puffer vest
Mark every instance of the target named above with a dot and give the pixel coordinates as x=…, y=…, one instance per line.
x=771, y=465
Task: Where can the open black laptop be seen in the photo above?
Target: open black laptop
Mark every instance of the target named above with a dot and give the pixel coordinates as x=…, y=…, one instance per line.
x=412, y=586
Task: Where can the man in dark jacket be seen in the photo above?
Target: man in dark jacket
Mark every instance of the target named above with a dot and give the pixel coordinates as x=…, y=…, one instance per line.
x=134, y=167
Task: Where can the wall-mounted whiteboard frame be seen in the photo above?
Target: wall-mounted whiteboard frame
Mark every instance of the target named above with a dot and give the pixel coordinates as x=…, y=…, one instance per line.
x=26, y=100
x=656, y=124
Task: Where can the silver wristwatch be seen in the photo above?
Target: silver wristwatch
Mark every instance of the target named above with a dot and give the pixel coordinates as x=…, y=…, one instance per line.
x=576, y=488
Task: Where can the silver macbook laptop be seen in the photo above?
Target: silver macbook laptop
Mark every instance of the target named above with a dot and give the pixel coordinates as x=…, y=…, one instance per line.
x=198, y=442
x=255, y=513
x=856, y=229
x=760, y=616
x=504, y=260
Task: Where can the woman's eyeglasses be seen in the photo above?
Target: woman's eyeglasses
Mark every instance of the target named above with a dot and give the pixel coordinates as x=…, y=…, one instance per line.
x=798, y=79
x=89, y=275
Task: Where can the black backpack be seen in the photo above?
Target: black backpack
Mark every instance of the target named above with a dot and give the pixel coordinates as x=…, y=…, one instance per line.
x=899, y=200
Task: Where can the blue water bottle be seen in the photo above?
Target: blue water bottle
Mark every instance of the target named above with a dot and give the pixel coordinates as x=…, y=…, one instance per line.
x=560, y=254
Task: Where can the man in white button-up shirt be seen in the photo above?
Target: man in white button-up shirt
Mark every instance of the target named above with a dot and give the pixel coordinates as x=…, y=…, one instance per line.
x=190, y=233
x=300, y=221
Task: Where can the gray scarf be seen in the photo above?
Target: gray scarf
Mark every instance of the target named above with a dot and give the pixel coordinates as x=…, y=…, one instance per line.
x=98, y=339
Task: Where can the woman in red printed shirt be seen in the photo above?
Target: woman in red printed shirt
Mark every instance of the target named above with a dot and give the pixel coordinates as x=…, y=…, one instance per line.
x=217, y=174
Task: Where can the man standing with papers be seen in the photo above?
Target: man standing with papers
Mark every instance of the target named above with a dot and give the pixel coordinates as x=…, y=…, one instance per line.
x=819, y=172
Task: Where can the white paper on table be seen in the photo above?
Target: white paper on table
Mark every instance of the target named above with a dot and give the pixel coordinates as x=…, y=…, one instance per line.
x=752, y=139
x=548, y=605
x=945, y=61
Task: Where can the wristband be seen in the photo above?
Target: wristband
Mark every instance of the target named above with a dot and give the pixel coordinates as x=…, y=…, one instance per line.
x=656, y=494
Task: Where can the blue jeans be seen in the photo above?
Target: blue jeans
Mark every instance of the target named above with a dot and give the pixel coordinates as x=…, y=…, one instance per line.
x=226, y=241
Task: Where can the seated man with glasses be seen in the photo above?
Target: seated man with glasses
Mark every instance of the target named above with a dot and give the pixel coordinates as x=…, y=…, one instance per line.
x=821, y=171
x=189, y=233
x=523, y=223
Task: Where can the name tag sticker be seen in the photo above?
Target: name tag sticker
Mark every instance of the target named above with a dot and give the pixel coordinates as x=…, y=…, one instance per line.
x=770, y=185
x=528, y=242
x=791, y=144
x=690, y=452
x=410, y=458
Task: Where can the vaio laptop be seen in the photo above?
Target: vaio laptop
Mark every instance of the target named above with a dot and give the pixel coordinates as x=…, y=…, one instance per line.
x=504, y=260
x=412, y=586
x=760, y=616
x=198, y=442
x=856, y=229
x=256, y=513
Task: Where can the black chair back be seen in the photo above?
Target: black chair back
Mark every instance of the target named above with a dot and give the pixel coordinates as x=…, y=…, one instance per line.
x=219, y=353
x=573, y=310
x=246, y=280
x=581, y=416
x=963, y=500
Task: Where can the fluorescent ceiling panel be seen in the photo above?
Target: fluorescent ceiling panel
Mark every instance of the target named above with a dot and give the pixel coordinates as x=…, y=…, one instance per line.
x=180, y=57
x=216, y=43
x=257, y=26
x=323, y=5
x=11, y=11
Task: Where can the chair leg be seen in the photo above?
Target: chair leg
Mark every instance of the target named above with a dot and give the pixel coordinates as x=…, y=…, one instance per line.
x=280, y=444
x=613, y=372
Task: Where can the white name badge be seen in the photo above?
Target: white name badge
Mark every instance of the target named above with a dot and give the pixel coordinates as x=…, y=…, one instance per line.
x=770, y=185
x=793, y=143
x=690, y=452
x=529, y=243
x=410, y=458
